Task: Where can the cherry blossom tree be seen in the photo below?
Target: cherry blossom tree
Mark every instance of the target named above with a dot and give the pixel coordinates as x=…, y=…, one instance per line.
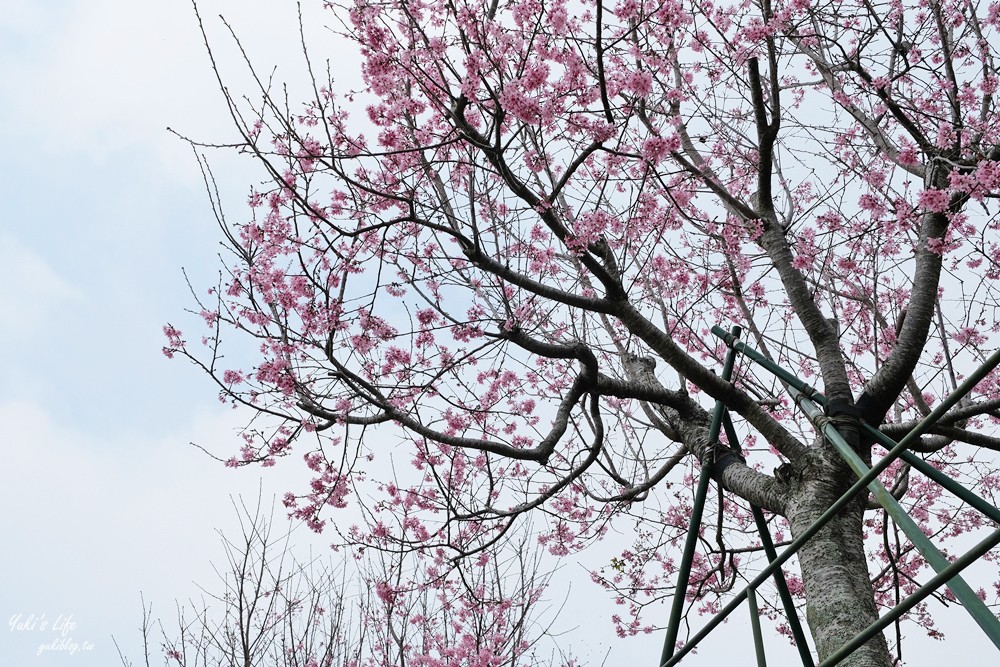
x=500, y=261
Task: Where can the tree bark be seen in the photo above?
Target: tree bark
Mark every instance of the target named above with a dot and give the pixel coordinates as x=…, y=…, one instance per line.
x=840, y=601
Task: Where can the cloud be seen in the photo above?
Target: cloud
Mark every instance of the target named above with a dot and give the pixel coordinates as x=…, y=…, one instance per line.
x=31, y=291
x=91, y=521
x=101, y=77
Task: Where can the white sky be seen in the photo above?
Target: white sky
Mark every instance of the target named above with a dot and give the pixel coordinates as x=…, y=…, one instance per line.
x=101, y=208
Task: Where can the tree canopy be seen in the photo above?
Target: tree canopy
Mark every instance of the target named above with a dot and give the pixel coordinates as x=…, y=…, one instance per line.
x=499, y=263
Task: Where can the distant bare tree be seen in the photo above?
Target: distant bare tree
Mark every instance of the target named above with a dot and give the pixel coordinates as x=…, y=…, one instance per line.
x=277, y=611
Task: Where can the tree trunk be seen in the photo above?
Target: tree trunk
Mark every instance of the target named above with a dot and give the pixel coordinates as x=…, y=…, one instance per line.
x=840, y=603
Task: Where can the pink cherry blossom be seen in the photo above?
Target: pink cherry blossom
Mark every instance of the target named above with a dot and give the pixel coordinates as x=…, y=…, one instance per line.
x=495, y=271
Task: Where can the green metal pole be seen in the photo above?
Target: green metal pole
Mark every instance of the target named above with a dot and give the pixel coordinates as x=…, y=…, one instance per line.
x=973, y=605
x=758, y=637
x=786, y=596
x=921, y=593
x=779, y=576
x=684, y=572
x=775, y=369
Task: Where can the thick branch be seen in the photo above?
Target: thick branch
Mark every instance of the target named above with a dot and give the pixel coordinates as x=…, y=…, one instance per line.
x=735, y=399
x=949, y=433
x=887, y=383
x=692, y=422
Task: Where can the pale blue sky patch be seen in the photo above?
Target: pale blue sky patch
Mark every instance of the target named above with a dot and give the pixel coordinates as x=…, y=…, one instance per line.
x=34, y=292
x=102, y=207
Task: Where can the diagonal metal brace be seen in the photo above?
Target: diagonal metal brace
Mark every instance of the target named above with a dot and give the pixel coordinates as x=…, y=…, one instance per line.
x=973, y=605
x=687, y=557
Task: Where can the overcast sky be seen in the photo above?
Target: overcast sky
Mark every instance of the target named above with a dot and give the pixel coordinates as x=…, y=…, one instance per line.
x=102, y=207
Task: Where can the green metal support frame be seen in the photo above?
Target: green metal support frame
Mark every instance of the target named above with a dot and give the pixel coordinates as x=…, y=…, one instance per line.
x=895, y=451
x=909, y=457
x=684, y=572
x=916, y=598
x=688, y=555
x=801, y=644
x=973, y=605
x=805, y=395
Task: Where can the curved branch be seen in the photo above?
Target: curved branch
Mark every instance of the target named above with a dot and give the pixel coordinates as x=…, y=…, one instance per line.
x=692, y=422
x=493, y=266
x=949, y=433
x=593, y=452
x=734, y=398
